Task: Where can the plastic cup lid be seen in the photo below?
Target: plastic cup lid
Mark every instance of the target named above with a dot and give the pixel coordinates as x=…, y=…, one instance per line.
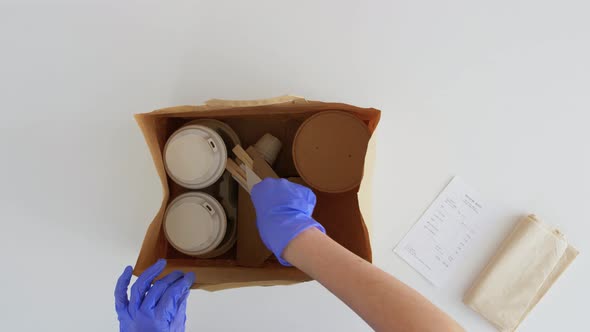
x=195, y=156
x=226, y=132
x=195, y=223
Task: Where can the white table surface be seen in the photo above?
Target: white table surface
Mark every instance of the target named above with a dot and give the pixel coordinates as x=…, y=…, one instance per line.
x=497, y=92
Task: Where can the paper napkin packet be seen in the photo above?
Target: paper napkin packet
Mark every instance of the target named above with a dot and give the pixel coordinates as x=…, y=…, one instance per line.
x=527, y=264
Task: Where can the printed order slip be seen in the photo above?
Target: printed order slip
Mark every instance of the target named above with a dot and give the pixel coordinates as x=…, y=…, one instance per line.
x=437, y=243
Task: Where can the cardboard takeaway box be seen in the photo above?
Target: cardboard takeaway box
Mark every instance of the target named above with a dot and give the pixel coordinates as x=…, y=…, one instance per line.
x=339, y=213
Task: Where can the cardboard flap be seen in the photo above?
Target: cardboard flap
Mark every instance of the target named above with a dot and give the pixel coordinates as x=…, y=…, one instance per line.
x=152, y=243
x=223, y=103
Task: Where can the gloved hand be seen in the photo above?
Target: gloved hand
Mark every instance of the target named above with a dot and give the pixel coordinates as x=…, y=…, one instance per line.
x=283, y=210
x=162, y=309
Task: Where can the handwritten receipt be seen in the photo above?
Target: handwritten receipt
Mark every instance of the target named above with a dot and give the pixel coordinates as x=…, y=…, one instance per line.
x=437, y=242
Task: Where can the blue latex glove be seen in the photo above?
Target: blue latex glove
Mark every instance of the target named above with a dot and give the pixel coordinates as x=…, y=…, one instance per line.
x=162, y=309
x=283, y=210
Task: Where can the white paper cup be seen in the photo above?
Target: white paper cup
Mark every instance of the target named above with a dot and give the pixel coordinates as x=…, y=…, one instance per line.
x=269, y=146
x=195, y=156
x=195, y=223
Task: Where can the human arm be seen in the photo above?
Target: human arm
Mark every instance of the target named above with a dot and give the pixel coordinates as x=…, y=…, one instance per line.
x=383, y=301
x=286, y=227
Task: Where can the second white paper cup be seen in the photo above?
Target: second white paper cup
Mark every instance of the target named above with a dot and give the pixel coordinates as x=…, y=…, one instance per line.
x=195, y=223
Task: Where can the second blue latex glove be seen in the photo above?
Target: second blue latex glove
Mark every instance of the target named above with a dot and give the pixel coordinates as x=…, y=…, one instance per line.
x=160, y=307
x=283, y=211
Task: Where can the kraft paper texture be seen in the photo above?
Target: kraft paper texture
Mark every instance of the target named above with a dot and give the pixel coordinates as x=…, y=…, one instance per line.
x=527, y=264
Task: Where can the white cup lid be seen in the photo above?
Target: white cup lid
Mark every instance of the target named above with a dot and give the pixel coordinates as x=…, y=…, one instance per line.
x=195, y=223
x=195, y=156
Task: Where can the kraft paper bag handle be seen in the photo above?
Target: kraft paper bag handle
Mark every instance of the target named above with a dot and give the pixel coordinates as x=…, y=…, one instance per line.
x=224, y=103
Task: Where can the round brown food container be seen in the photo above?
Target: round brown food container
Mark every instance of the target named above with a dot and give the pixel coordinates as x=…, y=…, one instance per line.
x=329, y=151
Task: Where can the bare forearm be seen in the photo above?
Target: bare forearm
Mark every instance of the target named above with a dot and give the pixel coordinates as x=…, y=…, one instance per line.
x=384, y=302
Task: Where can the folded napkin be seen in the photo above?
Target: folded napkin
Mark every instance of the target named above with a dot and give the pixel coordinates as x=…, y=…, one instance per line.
x=520, y=273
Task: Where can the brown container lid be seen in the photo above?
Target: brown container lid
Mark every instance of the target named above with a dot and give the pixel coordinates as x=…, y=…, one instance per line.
x=329, y=151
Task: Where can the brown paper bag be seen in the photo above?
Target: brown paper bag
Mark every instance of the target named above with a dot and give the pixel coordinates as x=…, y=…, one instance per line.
x=281, y=117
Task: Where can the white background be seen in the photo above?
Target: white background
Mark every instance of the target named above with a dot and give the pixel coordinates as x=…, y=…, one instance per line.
x=495, y=91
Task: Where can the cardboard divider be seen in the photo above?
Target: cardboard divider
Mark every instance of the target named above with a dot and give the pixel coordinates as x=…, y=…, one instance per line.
x=339, y=213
